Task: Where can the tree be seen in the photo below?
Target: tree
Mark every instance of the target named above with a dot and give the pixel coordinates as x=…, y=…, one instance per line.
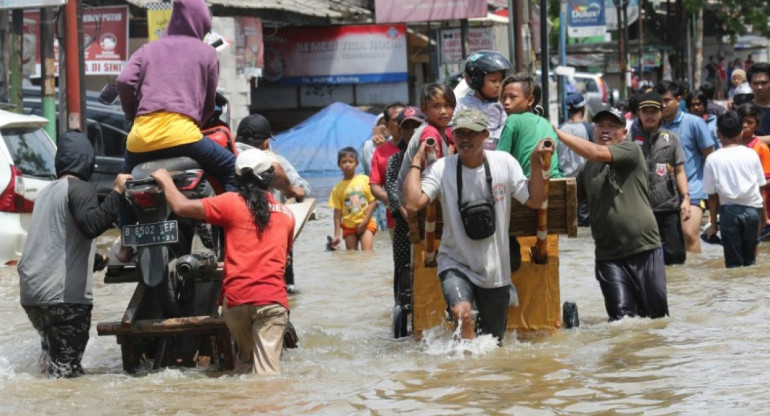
x=737, y=17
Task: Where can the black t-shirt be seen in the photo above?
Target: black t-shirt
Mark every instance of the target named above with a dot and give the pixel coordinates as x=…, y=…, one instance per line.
x=764, y=123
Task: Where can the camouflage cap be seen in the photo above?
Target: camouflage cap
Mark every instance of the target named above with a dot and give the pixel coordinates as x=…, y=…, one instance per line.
x=471, y=119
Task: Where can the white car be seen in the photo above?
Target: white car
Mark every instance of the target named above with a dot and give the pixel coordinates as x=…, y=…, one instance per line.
x=27, y=157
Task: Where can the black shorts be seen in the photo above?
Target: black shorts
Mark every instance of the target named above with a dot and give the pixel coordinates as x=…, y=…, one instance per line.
x=491, y=304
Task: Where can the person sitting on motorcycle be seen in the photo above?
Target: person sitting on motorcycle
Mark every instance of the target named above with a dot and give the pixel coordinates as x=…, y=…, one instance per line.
x=168, y=90
x=259, y=232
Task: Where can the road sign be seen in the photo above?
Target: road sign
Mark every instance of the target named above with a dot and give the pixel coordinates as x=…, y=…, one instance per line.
x=30, y=4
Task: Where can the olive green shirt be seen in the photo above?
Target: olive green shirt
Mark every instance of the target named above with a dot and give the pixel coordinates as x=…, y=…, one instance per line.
x=622, y=222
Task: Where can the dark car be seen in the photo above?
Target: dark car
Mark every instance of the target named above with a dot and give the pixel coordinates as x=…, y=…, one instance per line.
x=107, y=129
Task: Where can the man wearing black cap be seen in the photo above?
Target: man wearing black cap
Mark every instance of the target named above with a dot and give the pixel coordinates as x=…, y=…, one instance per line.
x=669, y=196
x=629, y=259
x=255, y=132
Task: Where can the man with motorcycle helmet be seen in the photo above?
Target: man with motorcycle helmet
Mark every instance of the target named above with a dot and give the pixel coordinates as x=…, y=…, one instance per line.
x=484, y=72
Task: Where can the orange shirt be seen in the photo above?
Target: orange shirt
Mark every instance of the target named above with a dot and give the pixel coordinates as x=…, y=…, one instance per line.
x=764, y=154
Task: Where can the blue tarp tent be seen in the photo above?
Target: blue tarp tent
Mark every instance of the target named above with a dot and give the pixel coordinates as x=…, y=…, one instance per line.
x=312, y=145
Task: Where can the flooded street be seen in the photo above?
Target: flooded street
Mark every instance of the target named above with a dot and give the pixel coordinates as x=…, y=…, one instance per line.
x=710, y=357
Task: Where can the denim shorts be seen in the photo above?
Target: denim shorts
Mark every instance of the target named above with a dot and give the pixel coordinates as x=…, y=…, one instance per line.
x=491, y=304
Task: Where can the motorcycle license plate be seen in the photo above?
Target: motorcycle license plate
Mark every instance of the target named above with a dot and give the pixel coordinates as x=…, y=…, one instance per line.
x=163, y=232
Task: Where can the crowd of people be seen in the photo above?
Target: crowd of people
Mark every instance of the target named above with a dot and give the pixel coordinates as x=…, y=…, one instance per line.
x=644, y=183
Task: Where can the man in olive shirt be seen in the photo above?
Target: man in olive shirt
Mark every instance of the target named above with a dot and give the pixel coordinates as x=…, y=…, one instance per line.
x=629, y=258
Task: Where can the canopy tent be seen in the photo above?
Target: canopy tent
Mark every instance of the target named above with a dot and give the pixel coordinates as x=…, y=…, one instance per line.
x=312, y=145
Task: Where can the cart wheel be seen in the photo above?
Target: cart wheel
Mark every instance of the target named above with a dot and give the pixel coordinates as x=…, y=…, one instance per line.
x=569, y=316
x=399, y=321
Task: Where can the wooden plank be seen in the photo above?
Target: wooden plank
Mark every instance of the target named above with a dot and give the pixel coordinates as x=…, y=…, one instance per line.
x=165, y=327
x=133, y=305
x=302, y=212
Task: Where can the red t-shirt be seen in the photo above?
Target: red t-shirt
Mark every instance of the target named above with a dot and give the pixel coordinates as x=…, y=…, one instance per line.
x=432, y=131
x=254, y=261
x=379, y=164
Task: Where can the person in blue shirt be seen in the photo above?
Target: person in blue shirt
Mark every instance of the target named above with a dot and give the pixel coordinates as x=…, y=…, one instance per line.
x=697, y=144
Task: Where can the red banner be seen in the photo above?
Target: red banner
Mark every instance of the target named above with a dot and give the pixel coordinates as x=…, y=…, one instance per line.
x=105, y=37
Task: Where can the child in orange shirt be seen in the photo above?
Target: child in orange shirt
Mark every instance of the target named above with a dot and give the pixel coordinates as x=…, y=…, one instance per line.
x=750, y=115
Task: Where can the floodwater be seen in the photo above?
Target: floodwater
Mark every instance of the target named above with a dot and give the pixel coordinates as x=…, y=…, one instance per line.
x=710, y=357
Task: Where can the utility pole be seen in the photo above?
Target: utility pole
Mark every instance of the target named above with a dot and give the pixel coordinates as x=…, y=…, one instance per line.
x=17, y=33
x=563, y=58
x=47, y=60
x=622, y=48
x=544, y=56
x=72, y=39
x=4, y=36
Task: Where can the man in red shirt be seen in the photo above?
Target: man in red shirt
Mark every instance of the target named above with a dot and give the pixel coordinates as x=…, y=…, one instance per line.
x=259, y=233
x=380, y=160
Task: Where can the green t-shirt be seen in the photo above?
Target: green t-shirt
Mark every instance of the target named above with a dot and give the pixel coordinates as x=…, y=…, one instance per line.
x=522, y=132
x=622, y=222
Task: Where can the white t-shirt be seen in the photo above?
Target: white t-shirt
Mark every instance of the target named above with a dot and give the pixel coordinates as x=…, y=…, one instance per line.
x=493, y=110
x=735, y=174
x=486, y=262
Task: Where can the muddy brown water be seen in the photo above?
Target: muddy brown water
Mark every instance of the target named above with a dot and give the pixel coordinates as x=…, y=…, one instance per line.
x=711, y=356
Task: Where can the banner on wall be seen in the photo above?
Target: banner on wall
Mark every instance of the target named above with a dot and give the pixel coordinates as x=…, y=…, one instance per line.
x=249, y=47
x=336, y=55
x=158, y=15
x=479, y=38
x=585, y=18
x=399, y=11
x=105, y=36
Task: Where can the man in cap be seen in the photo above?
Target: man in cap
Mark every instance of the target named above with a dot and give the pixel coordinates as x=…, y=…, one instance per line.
x=56, y=266
x=629, y=260
x=255, y=132
x=669, y=195
x=697, y=143
x=569, y=161
x=475, y=266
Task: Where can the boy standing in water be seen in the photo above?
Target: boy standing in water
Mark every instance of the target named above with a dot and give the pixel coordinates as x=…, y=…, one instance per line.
x=733, y=179
x=353, y=204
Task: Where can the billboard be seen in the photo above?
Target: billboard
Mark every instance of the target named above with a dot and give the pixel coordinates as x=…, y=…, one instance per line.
x=585, y=18
x=479, y=38
x=105, y=37
x=249, y=46
x=396, y=11
x=336, y=55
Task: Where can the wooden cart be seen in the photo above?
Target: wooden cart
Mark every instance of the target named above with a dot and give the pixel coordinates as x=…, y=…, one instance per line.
x=537, y=284
x=200, y=338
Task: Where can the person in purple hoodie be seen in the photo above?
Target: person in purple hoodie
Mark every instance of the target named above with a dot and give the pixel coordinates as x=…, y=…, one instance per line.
x=168, y=90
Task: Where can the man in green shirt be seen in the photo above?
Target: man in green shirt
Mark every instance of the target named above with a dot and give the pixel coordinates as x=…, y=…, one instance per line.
x=629, y=259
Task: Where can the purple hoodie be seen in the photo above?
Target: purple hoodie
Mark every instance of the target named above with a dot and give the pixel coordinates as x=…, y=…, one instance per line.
x=177, y=73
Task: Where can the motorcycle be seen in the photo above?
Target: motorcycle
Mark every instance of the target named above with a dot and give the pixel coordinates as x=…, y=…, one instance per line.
x=176, y=258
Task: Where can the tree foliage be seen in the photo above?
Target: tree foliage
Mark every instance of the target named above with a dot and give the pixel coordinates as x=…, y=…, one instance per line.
x=737, y=17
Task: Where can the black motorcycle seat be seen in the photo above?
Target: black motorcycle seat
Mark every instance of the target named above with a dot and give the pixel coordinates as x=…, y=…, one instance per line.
x=143, y=170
